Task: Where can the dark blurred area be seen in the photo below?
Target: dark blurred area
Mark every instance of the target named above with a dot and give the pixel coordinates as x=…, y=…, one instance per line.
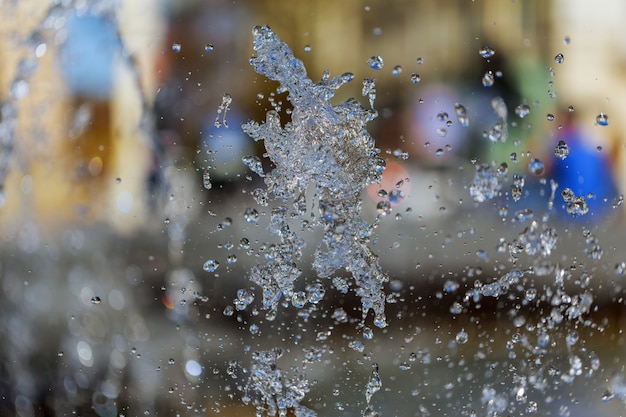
x=122, y=178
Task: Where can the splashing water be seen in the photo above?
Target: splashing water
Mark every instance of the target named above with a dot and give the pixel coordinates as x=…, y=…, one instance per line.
x=329, y=148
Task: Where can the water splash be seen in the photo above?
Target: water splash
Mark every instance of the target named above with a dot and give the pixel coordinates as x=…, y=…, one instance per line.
x=326, y=147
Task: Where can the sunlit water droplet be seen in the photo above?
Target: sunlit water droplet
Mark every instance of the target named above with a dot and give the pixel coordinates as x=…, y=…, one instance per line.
x=375, y=62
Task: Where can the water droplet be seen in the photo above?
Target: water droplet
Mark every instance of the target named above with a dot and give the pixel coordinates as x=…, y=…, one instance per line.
x=307, y=48
x=209, y=47
x=561, y=150
x=536, y=167
x=620, y=268
x=566, y=40
x=461, y=114
x=171, y=361
x=420, y=60
x=397, y=70
x=118, y=180
x=461, y=337
x=206, y=179
x=211, y=265
x=550, y=117
x=442, y=116
x=559, y=58
x=95, y=300
x=415, y=78
x=488, y=79
x=254, y=163
x=522, y=111
x=375, y=62
x=486, y=51
x=176, y=47
x=602, y=119
x=251, y=215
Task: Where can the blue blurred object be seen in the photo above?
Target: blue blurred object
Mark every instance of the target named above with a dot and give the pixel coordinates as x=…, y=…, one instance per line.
x=587, y=171
x=86, y=57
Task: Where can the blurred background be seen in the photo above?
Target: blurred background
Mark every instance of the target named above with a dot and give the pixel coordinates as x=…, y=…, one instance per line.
x=121, y=175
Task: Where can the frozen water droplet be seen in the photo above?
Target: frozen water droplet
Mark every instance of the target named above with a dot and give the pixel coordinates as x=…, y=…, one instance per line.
x=561, y=150
x=307, y=48
x=415, y=78
x=176, y=47
x=559, y=58
x=487, y=51
x=536, y=167
x=488, y=79
x=375, y=62
x=211, y=265
x=209, y=47
x=602, y=119
x=251, y=215
x=461, y=337
x=461, y=114
x=397, y=70
x=522, y=111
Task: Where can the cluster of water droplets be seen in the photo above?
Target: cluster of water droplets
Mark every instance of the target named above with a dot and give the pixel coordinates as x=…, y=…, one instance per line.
x=328, y=149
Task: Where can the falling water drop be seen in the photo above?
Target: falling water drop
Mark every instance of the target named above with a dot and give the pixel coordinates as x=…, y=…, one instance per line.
x=486, y=51
x=211, y=265
x=536, y=167
x=461, y=114
x=602, y=119
x=488, y=79
x=522, y=111
x=375, y=62
x=561, y=150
